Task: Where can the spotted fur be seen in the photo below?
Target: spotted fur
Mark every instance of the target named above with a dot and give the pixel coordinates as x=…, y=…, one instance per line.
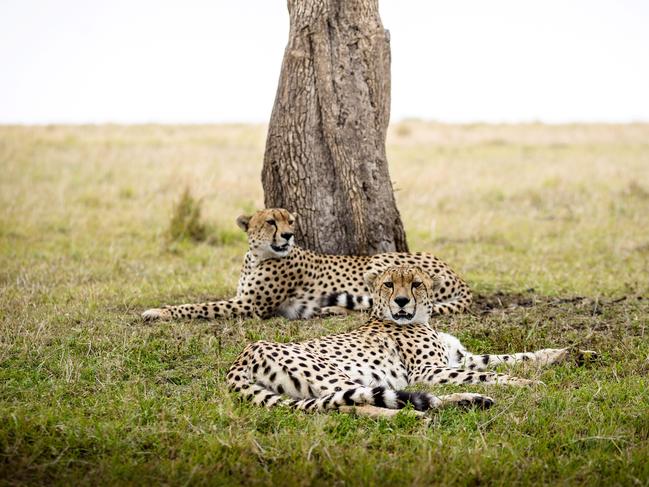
x=279, y=278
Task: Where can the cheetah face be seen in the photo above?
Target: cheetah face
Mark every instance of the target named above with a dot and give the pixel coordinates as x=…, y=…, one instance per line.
x=401, y=294
x=270, y=232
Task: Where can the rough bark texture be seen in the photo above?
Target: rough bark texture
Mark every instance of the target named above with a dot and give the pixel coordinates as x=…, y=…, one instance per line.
x=325, y=152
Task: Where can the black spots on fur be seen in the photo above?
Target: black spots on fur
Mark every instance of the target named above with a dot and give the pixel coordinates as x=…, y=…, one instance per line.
x=309, y=403
x=418, y=400
x=347, y=396
x=330, y=300
x=379, y=400
x=296, y=383
x=485, y=359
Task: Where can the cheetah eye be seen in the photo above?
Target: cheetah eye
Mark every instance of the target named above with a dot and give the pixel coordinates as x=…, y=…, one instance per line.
x=271, y=222
x=291, y=222
x=415, y=285
x=389, y=285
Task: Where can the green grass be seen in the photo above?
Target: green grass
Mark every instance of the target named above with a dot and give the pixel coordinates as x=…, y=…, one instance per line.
x=548, y=224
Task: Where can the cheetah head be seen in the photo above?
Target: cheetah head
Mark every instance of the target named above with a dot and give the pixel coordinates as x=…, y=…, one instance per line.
x=270, y=232
x=402, y=294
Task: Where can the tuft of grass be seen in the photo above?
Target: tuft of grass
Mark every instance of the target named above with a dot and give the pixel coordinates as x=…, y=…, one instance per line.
x=403, y=129
x=186, y=221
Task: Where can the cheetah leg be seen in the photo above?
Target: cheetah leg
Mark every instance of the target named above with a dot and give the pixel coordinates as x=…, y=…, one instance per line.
x=547, y=356
x=450, y=375
x=466, y=399
x=376, y=412
x=218, y=309
x=334, y=311
x=459, y=356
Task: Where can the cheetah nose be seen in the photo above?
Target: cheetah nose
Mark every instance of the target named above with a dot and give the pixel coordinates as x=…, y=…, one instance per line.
x=401, y=301
x=287, y=235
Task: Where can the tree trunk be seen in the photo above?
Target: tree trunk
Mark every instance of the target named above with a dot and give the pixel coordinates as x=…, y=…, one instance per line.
x=325, y=152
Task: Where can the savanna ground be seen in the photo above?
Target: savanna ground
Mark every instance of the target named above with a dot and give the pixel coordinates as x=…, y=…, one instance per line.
x=549, y=224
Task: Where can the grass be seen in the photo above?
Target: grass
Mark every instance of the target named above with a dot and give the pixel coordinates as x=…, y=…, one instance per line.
x=186, y=219
x=547, y=223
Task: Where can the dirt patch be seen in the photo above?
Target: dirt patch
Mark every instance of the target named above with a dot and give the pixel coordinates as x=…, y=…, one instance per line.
x=490, y=303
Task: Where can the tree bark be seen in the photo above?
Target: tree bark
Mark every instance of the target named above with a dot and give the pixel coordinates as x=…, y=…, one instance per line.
x=325, y=151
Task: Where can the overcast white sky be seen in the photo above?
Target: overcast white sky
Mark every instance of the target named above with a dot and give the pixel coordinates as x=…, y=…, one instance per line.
x=194, y=61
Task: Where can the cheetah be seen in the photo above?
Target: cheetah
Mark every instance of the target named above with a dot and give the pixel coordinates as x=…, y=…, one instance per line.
x=279, y=278
x=372, y=365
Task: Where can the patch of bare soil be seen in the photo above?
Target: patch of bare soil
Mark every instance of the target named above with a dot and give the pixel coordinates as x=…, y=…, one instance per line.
x=489, y=303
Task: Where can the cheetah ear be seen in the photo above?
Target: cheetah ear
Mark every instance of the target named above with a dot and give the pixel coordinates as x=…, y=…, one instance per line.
x=433, y=283
x=243, y=222
x=370, y=277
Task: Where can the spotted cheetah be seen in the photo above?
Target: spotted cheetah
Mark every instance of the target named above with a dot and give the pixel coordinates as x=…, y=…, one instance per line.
x=372, y=365
x=280, y=278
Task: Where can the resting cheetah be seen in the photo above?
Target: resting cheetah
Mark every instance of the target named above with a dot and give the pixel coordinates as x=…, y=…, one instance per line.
x=280, y=278
x=372, y=365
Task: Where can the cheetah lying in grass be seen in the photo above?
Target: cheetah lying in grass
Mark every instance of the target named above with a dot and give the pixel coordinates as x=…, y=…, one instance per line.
x=372, y=365
x=280, y=278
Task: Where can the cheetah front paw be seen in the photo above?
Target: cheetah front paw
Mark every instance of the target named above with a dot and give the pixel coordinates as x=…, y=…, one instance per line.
x=377, y=412
x=162, y=314
x=580, y=357
x=584, y=357
x=549, y=356
x=468, y=399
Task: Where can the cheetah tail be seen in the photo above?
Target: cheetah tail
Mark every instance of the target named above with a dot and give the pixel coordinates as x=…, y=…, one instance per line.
x=357, y=396
x=346, y=300
x=374, y=396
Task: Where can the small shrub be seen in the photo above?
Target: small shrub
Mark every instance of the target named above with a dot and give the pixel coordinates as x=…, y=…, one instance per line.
x=186, y=221
x=403, y=130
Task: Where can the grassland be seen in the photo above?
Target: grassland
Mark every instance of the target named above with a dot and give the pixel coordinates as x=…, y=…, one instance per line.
x=549, y=224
